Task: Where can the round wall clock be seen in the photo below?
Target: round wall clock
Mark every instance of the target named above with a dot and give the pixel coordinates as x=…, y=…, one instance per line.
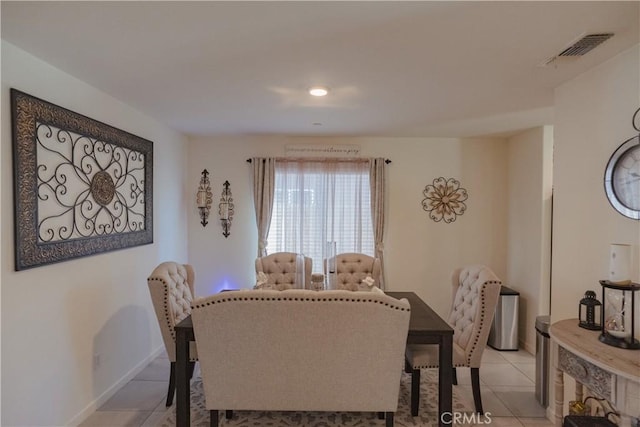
x=622, y=177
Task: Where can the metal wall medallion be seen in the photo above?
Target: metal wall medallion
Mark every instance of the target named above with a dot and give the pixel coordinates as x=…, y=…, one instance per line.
x=444, y=199
x=81, y=187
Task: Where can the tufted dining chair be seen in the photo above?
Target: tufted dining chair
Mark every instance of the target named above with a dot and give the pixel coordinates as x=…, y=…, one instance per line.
x=172, y=289
x=352, y=269
x=282, y=270
x=476, y=290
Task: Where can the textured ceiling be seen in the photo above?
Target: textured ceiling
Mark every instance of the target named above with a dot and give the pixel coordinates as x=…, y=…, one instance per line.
x=394, y=68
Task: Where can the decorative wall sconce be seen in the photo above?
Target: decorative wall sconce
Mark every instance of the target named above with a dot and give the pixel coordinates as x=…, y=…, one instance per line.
x=204, y=197
x=225, y=209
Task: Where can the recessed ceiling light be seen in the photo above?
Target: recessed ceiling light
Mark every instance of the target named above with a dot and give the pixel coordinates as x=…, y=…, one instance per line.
x=319, y=91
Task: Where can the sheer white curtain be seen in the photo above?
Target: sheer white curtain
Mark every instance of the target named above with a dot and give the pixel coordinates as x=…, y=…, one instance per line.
x=320, y=201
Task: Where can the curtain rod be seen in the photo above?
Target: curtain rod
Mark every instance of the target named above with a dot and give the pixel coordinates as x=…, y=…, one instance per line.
x=323, y=159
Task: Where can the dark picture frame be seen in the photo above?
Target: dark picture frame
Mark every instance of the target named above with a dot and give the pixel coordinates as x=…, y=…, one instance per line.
x=81, y=187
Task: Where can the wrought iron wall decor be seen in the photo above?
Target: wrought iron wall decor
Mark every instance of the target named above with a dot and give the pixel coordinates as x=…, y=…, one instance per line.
x=204, y=197
x=444, y=199
x=81, y=187
x=225, y=209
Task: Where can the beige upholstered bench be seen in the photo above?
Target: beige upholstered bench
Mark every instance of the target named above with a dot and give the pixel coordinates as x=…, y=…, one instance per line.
x=301, y=350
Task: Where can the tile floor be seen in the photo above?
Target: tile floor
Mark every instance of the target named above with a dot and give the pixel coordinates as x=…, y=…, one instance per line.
x=507, y=386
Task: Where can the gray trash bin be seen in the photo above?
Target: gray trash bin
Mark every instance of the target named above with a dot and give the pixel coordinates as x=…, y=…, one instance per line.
x=504, y=330
x=542, y=360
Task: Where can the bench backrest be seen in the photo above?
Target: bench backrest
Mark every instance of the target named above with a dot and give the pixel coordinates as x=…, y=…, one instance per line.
x=301, y=349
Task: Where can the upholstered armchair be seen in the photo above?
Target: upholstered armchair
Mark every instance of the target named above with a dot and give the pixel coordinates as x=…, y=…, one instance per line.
x=285, y=270
x=172, y=290
x=352, y=269
x=476, y=290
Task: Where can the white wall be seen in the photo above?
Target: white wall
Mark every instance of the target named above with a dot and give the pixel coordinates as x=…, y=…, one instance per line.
x=55, y=318
x=530, y=158
x=593, y=117
x=419, y=253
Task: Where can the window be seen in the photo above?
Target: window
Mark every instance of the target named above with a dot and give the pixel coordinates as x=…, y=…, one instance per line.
x=316, y=202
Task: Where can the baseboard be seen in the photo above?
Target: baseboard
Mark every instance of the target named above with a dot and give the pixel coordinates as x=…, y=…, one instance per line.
x=107, y=394
x=528, y=347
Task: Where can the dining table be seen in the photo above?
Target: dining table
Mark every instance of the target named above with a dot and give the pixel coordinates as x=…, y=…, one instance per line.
x=425, y=327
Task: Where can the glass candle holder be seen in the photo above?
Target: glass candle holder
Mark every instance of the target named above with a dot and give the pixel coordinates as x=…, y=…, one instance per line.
x=332, y=273
x=618, y=314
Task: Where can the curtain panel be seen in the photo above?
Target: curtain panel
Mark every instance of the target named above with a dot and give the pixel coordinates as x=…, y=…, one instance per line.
x=377, y=181
x=263, y=189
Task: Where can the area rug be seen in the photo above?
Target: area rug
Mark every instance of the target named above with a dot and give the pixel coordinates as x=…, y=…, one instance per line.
x=428, y=410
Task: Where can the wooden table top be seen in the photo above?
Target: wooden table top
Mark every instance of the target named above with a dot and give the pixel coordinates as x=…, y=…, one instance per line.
x=423, y=322
x=585, y=343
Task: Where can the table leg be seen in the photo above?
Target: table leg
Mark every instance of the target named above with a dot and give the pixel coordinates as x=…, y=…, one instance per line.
x=445, y=380
x=559, y=396
x=579, y=391
x=183, y=411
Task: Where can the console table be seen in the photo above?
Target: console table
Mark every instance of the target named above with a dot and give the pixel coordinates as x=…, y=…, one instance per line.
x=607, y=372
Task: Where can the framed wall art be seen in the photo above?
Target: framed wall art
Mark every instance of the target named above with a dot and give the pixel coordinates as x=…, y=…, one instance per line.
x=81, y=187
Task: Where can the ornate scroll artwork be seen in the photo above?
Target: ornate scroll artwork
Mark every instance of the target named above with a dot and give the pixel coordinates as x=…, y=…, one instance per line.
x=444, y=200
x=81, y=187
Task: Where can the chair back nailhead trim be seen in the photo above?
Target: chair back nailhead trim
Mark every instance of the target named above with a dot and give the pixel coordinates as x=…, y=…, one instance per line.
x=314, y=298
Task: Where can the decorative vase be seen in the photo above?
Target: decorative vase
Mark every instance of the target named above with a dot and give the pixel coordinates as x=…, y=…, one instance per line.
x=620, y=264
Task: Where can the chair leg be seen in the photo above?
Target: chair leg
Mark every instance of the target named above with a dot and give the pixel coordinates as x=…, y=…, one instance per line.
x=389, y=419
x=415, y=392
x=454, y=378
x=192, y=366
x=381, y=415
x=407, y=366
x=213, y=418
x=228, y=414
x=475, y=385
x=172, y=384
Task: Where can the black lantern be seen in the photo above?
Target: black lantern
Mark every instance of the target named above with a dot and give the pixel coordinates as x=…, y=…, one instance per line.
x=618, y=314
x=587, y=311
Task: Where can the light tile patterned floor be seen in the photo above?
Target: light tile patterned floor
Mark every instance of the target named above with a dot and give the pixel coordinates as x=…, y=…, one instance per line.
x=507, y=386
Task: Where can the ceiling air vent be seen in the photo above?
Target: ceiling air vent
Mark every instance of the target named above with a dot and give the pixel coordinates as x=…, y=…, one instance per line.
x=585, y=44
